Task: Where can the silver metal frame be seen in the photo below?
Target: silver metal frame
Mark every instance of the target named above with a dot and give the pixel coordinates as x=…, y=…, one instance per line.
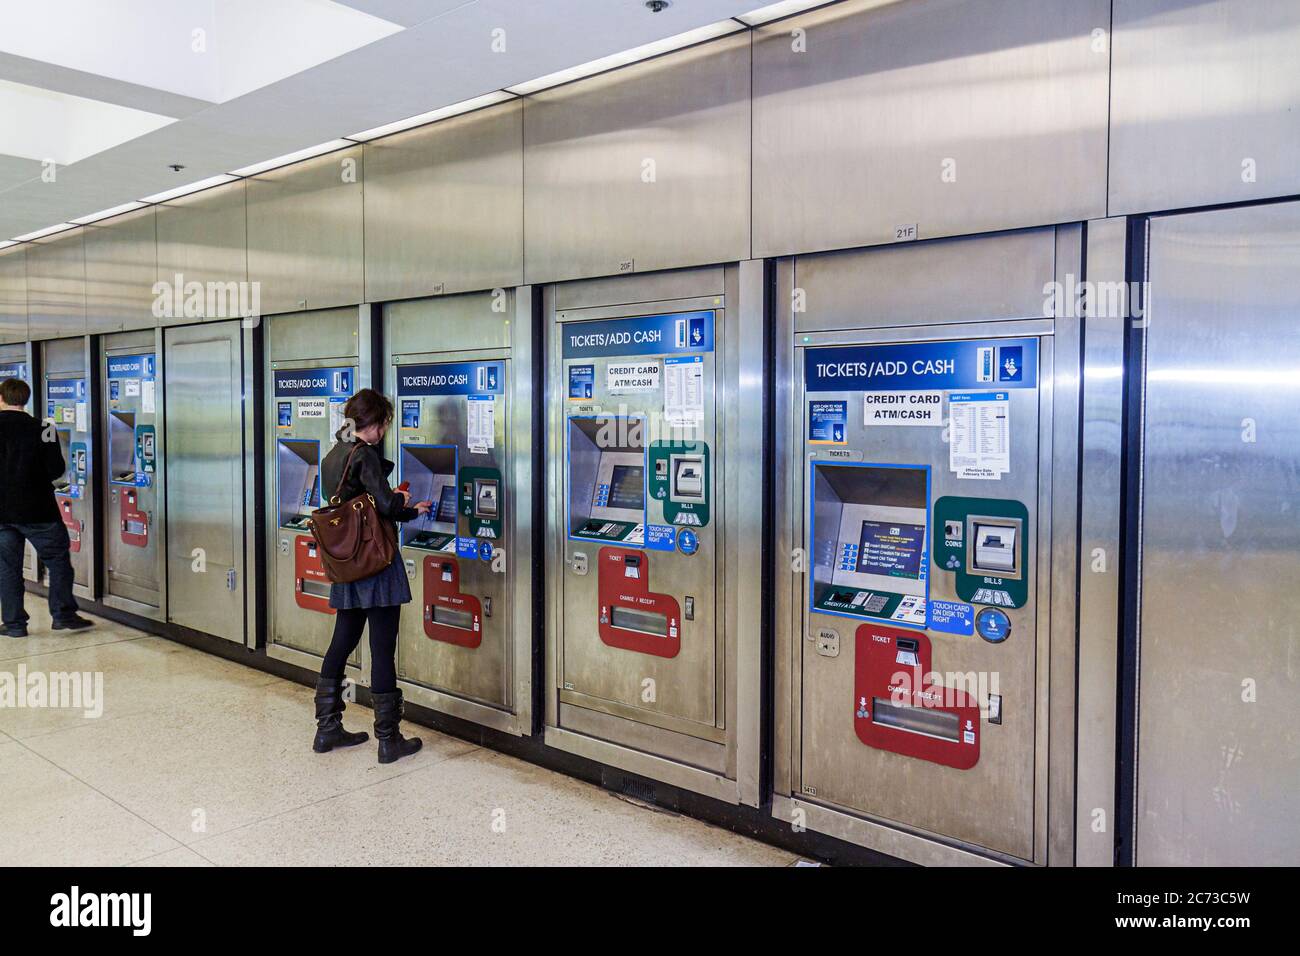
x=89, y=541
x=1100, y=569
x=128, y=342
x=519, y=471
x=1056, y=546
x=739, y=398
x=359, y=670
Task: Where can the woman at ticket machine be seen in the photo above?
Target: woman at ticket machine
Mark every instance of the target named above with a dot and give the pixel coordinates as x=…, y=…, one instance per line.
x=375, y=601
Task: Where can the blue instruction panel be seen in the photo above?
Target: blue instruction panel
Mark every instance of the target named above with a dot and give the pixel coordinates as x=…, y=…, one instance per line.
x=1000, y=363
x=314, y=383
x=826, y=422
x=952, y=617
x=643, y=335
x=452, y=378
x=131, y=366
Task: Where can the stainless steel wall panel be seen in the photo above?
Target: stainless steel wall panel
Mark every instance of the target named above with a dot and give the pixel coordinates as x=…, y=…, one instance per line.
x=956, y=116
x=203, y=238
x=327, y=334
x=1219, y=685
x=121, y=269
x=1203, y=103
x=642, y=168
x=1004, y=276
x=204, y=460
x=480, y=320
x=13, y=295
x=305, y=233
x=444, y=206
x=56, y=286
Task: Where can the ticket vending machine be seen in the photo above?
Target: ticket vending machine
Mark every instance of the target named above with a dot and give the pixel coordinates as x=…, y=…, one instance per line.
x=132, y=474
x=313, y=367
x=66, y=403
x=460, y=375
x=15, y=362
x=915, y=557
x=655, y=537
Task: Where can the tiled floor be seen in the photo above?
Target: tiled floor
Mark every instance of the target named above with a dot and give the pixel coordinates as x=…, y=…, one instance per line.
x=198, y=761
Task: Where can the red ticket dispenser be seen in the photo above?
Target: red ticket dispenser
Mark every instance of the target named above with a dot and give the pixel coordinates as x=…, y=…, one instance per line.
x=450, y=615
x=135, y=523
x=901, y=706
x=631, y=615
x=71, y=523
x=311, y=587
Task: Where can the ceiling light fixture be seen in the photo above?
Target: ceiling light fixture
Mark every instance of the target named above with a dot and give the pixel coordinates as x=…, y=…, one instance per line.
x=785, y=8
x=293, y=157
x=667, y=45
x=190, y=188
x=47, y=231
x=106, y=213
x=423, y=119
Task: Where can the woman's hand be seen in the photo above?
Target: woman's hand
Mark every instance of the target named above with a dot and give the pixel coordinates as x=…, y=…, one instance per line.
x=423, y=507
x=405, y=495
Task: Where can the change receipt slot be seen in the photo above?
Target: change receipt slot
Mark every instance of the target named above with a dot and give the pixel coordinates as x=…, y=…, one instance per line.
x=132, y=470
x=67, y=409
x=920, y=482
x=642, y=653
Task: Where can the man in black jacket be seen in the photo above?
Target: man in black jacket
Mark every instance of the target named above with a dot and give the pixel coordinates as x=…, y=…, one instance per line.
x=30, y=462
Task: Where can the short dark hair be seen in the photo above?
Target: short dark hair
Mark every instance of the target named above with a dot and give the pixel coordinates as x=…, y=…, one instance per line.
x=368, y=407
x=14, y=392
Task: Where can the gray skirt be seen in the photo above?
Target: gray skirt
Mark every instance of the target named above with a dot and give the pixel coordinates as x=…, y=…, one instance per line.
x=386, y=589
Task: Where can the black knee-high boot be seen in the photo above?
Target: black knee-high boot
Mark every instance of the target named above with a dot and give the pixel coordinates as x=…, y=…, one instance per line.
x=329, y=719
x=388, y=719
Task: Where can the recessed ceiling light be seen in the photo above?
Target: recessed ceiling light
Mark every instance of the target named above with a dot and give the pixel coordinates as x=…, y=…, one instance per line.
x=464, y=106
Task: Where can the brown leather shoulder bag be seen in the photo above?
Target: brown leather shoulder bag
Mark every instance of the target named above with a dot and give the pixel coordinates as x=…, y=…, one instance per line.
x=353, y=539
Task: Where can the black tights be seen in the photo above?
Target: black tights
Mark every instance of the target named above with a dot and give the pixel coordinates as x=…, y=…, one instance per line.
x=348, y=625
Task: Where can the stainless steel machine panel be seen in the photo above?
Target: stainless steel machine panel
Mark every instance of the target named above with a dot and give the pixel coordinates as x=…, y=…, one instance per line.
x=641, y=168
x=462, y=440
x=203, y=238
x=1003, y=277
x=312, y=369
x=121, y=269
x=305, y=233
x=13, y=295
x=925, y=550
x=1219, y=691
x=651, y=533
x=15, y=362
x=56, y=286
x=66, y=403
x=444, y=206
x=1203, y=103
x=879, y=123
x=204, y=462
x=131, y=466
